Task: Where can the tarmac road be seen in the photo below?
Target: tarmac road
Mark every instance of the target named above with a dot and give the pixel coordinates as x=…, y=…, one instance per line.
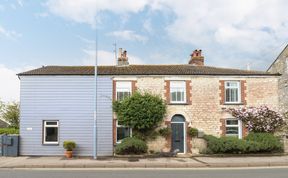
x=147, y=173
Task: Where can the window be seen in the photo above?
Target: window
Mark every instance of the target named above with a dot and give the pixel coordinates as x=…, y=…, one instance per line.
x=122, y=132
x=123, y=90
x=50, y=132
x=233, y=128
x=178, y=91
x=232, y=92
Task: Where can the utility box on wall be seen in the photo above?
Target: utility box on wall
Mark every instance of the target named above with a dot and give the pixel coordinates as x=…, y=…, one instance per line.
x=9, y=145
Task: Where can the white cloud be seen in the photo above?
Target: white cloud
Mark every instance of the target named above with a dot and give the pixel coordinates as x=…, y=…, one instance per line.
x=9, y=90
x=226, y=30
x=238, y=29
x=84, y=11
x=106, y=58
x=10, y=85
x=9, y=34
x=41, y=14
x=128, y=35
x=20, y=3
x=148, y=26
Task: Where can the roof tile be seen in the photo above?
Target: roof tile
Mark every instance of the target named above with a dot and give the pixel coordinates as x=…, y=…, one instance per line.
x=141, y=70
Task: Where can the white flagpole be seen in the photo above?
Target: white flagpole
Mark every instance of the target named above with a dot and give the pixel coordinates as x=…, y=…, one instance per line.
x=95, y=129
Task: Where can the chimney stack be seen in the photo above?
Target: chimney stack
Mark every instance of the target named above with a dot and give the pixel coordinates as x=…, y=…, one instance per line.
x=122, y=58
x=196, y=58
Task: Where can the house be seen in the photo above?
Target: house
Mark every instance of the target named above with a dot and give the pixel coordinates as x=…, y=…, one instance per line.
x=280, y=65
x=57, y=103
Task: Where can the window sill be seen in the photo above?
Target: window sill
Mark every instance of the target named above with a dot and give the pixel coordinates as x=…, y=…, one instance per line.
x=52, y=144
x=178, y=104
x=233, y=104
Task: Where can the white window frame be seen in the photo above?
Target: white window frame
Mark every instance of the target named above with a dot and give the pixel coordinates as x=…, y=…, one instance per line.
x=121, y=126
x=238, y=87
x=239, y=126
x=51, y=126
x=178, y=86
x=123, y=86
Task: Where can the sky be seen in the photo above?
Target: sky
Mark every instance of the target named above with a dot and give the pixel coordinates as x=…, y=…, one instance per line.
x=231, y=34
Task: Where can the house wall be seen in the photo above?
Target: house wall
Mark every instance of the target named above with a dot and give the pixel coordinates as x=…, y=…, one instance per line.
x=68, y=99
x=3, y=124
x=205, y=110
x=281, y=66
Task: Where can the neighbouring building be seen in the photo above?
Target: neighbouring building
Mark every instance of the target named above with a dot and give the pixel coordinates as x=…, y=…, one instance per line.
x=280, y=65
x=57, y=103
x=3, y=123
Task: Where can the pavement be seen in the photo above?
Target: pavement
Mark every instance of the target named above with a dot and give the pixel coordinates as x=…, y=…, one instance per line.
x=193, y=162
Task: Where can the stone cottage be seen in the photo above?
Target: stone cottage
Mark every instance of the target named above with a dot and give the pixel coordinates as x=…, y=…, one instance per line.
x=280, y=65
x=57, y=103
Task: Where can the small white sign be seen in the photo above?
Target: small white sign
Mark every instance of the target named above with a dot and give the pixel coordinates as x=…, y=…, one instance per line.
x=29, y=128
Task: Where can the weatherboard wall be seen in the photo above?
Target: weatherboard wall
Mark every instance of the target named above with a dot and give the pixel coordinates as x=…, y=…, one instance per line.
x=68, y=99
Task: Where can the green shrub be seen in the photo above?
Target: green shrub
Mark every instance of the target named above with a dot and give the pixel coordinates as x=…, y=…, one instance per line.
x=131, y=145
x=141, y=111
x=253, y=143
x=225, y=145
x=147, y=135
x=69, y=145
x=193, y=132
x=9, y=131
x=164, y=132
x=267, y=142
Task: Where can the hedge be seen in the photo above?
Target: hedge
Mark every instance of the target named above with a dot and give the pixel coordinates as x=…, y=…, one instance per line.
x=131, y=145
x=9, y=131
x=253, y=143
x=267, y=142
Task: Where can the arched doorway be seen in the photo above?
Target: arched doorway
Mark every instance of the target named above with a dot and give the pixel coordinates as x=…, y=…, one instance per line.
x=178, y=133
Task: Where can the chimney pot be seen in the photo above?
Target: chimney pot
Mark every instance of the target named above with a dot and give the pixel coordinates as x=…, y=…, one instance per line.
x=122, y=58
x=196, y=58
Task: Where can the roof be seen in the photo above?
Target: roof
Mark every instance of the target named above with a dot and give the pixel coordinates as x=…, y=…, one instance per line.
x=142, y=70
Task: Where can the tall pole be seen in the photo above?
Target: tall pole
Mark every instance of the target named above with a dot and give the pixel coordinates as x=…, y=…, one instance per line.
x=115, y=52
x=95, y=130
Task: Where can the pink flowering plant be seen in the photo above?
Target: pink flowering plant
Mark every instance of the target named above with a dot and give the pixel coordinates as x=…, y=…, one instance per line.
x=259, y=119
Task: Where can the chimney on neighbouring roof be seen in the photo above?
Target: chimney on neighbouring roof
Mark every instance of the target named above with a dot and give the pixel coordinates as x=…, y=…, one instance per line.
x=196, y=58
x=122, y=58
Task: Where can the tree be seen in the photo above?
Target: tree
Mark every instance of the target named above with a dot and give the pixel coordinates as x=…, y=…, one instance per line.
x=259, y=119
x=141, y=111
x=10, y=113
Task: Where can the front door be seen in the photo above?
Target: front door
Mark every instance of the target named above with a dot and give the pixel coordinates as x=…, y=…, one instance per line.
x=177, y=137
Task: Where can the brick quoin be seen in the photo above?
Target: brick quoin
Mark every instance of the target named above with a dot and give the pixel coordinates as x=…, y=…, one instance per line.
x=188, y=92
x=188, y=139
x=243, y=92
x=244, y=130
x=134, y=87
x=114, y=90
x=222, y=91
x=223, y=127
x=167, y=91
